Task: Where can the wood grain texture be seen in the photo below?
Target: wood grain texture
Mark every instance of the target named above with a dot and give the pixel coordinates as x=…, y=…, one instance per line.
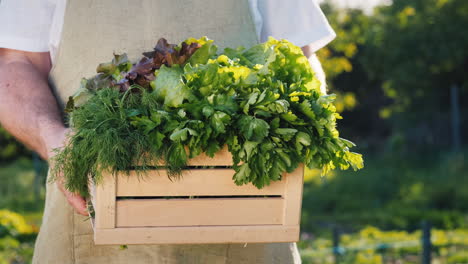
x=197, y=235
x=293, y=196
x=193, y=182
x=104, y=204
x=222, y=158
x=199, y=212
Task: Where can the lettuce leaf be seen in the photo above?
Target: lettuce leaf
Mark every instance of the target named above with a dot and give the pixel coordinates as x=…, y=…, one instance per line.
x=169, y=86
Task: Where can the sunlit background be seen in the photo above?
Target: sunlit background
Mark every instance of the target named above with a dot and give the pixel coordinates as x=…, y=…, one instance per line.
x=400, y=72
x=366, y=5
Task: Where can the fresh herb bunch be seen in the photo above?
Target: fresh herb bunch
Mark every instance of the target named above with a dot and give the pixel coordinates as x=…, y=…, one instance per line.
x=178, y=101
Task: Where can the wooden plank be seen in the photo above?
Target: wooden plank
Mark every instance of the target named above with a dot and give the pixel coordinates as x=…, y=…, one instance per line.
x=293, y=196
x=104, y=204
x=221, y=158
x=193, y=182
x=199, y=212
x=197, y=235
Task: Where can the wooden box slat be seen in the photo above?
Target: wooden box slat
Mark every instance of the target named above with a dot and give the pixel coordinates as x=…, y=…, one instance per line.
x=196, y=235
x=293, y=196
x=105, y=194
x=222, y=158
x=199, y=212
x=201, y=182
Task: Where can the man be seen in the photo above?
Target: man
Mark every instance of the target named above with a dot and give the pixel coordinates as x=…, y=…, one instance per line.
x=57, y=42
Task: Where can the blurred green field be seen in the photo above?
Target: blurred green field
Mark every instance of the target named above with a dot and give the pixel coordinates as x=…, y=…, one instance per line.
x=20, y=210
x=393, y=191
x=371, y=245
x=20, y=190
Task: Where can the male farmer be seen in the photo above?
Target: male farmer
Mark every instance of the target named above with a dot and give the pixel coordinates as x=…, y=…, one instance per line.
x=47, y=46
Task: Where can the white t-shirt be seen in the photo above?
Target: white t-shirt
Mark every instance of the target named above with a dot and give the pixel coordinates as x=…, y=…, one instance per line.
x=36, y=25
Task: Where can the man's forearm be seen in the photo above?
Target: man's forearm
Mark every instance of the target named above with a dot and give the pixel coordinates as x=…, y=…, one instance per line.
x=28, y=109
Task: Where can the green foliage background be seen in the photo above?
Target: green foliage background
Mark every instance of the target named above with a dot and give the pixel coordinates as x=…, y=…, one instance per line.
x=392, y=71
x=10, y=149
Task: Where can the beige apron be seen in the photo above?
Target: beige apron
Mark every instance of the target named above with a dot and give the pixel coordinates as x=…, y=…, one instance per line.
x=92, y=31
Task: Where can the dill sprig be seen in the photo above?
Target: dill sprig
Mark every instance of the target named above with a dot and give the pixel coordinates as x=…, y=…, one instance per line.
x=104, y=140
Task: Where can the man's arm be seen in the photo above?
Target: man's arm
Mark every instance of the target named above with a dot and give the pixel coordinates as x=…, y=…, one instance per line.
x=316, y=66
x=28, y=109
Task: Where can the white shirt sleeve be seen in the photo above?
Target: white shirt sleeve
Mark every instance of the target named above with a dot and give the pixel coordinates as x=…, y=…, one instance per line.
x=300, y=21
x=25, y=25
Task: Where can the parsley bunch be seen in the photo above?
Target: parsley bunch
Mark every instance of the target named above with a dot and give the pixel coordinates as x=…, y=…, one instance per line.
x=264, y=103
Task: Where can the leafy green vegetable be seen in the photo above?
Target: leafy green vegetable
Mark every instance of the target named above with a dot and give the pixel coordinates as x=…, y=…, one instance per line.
x=169, y=86
x=264, y=103
x=205, y=52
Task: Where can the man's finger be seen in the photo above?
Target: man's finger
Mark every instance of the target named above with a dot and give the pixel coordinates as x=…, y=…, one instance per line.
x=78, y=203
x=75, y=200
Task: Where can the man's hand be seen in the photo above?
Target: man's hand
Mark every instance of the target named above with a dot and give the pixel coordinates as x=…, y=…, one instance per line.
x=57, y=140
x=28, y=109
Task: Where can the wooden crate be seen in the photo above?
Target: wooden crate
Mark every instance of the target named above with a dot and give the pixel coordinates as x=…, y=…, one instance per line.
x=204, y=206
